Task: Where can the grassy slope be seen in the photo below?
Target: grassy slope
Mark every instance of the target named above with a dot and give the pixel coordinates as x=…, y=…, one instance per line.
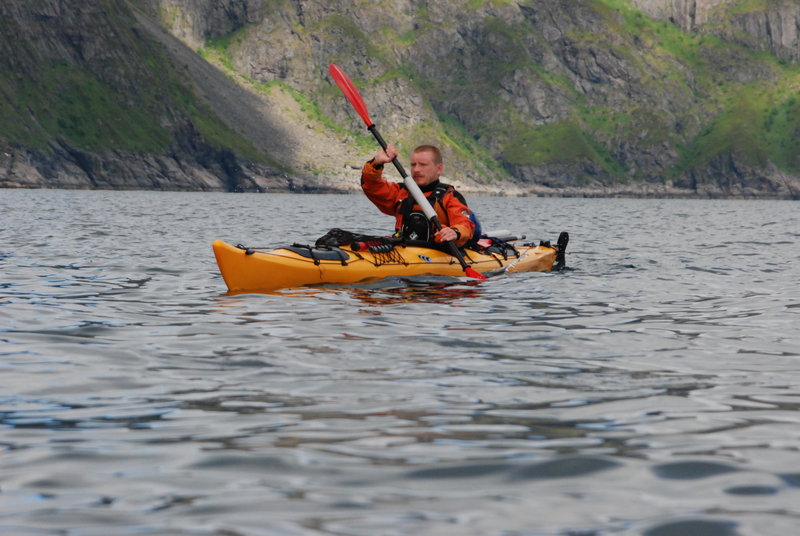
x=451, y=133
x=131, y=110
x=759, y=121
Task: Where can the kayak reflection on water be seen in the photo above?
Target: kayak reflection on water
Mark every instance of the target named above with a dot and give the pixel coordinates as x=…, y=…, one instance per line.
x=388, y=291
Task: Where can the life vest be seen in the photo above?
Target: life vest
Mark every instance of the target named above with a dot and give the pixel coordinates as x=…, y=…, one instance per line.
x=415, y=225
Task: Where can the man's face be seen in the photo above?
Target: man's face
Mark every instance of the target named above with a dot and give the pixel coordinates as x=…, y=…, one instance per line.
x=423, y=169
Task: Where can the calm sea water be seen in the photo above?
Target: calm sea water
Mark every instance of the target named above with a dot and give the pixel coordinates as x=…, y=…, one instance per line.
x=654, y=389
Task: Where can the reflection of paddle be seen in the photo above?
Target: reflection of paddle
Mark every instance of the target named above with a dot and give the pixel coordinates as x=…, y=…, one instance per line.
x=355, y=99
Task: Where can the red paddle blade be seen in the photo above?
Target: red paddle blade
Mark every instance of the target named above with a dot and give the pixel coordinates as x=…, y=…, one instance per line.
x=474, y=274
x=350, y=92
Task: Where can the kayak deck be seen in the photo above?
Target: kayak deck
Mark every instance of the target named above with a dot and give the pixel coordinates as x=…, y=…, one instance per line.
x=244, y=269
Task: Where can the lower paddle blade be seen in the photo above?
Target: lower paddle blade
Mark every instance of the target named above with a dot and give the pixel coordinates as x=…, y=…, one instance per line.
x=474, y=274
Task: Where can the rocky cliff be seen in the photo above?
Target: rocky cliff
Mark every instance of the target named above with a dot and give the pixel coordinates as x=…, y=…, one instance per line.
x=591, y=97
x=89, y=98
x=772, y=25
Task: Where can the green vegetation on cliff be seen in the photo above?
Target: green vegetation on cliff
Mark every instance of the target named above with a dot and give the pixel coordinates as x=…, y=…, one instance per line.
x=618, y=93
x=62, y=101
x=115, y=104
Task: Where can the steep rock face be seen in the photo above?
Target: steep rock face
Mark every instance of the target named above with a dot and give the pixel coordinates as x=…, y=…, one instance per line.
x=459, y=60
x=773, y=25
x=776, y=29
x=196, y=21
x=90, y=102
x=538, y=86
x=688, y=14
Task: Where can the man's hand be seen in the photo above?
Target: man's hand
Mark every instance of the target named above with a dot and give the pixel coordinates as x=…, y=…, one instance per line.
x=446, y=234
x=384, y=157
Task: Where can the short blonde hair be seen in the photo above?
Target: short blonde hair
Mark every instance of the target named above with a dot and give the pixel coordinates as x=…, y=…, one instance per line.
x=437, y=154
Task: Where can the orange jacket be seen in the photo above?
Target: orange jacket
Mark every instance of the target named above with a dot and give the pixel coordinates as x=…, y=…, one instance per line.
x=451, y=210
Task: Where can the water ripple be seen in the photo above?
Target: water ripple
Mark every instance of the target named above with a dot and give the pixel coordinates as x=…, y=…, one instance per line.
x=649, y=390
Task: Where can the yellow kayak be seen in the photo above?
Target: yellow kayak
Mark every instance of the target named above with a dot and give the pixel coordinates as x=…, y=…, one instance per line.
x=244, y=269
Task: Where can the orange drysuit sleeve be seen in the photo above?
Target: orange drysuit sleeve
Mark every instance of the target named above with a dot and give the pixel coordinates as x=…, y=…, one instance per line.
x=456, y=215
x=382, y=193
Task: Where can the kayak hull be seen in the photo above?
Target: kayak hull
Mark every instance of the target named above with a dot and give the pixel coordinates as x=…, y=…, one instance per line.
x=247, y=270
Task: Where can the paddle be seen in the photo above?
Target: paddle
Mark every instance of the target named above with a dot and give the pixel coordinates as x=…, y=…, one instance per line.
x=355, y=99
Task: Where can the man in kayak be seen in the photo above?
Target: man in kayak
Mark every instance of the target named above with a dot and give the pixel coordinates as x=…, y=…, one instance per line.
x=394, y=199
